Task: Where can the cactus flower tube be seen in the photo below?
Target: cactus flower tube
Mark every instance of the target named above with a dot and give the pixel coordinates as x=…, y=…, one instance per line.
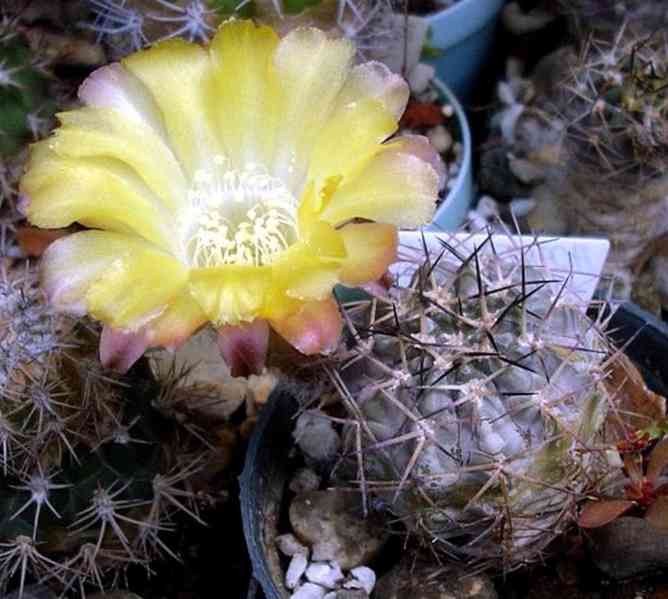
x=234, y=184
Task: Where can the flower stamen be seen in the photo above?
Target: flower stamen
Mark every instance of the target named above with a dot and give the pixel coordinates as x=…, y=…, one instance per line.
x=235, y=216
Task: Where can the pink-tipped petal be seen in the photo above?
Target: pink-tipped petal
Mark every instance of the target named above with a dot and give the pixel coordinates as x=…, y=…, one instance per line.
x=314, y=329
x=113, y=86
x=375, y=80
x=419, y=146
x=244, y=347
x=119, y=350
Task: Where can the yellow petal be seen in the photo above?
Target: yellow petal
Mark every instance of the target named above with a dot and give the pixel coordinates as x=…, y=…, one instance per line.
x=231, y=294
x=311, y=69
x=120, y=280
x=351, y=136
x=374, y=80
x=308, y=270
x=97, y=192
x=370, y=249
x=176, y=73
x=395, y=186
x=104, y=132
x=366, y=112
x=244, y=89
x=182, y=317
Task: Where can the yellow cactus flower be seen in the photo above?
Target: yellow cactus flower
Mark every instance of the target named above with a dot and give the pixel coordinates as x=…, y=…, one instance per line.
x=234, y=184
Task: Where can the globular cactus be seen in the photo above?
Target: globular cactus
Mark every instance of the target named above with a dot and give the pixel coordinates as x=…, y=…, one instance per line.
x=92, y=474
x=477, y=404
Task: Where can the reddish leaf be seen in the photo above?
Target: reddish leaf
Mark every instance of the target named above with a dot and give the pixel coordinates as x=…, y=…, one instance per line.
x=633, y=465
x=657, y=513
x=421, y=114
x=599, y=513
x=658, y=460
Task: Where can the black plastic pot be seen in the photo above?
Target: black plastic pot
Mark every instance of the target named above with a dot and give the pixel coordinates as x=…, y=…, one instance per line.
x=269, y=463
x=262, y=483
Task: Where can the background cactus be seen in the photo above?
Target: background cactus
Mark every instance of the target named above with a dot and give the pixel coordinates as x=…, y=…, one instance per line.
x=24, y=95
x=613, y=107
x=477, y=404
x=585, y=136
x=92, y=470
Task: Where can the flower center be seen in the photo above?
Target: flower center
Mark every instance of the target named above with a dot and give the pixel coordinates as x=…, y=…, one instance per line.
x=237, y=216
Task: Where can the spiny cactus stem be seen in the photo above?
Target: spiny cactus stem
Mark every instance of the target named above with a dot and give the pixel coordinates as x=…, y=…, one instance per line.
x=39, y=485
x=192, y=17
x=121, y=434
x=84, y=566
x=148, y=538
x=166, y=488
x=7, y=75
x=104, y=510
x=19, y=554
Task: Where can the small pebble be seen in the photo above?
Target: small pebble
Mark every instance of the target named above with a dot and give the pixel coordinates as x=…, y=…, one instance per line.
x=522, y=206
x=440, y=138
x=304, y=480
x=296, y=569
x=326, y=574
x=316, y=437
x=420, y=77
x=363, y=578
x=331, y=524
x=289, y=545
x=309, y=591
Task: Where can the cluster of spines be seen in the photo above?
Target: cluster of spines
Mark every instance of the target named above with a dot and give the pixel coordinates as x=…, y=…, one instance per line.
x=615, y=106
x=132, y=22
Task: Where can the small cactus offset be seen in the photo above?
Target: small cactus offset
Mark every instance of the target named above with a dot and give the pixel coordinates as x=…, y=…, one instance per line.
x=477, y=403
x=91, y=472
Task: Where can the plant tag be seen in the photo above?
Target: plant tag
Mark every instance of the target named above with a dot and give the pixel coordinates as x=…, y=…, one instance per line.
x=578, y=261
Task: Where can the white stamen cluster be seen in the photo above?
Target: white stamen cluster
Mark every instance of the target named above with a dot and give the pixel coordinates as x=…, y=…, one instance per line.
x=243, y=217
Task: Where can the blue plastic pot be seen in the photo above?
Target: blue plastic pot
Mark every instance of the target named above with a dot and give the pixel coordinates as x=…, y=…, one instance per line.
x=463, y=36
x=452, y=212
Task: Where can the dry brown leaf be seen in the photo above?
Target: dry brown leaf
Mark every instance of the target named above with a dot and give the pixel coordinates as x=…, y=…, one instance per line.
x=658, y=460
x=635, y=406
x=657, y=513
x=599, y=513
